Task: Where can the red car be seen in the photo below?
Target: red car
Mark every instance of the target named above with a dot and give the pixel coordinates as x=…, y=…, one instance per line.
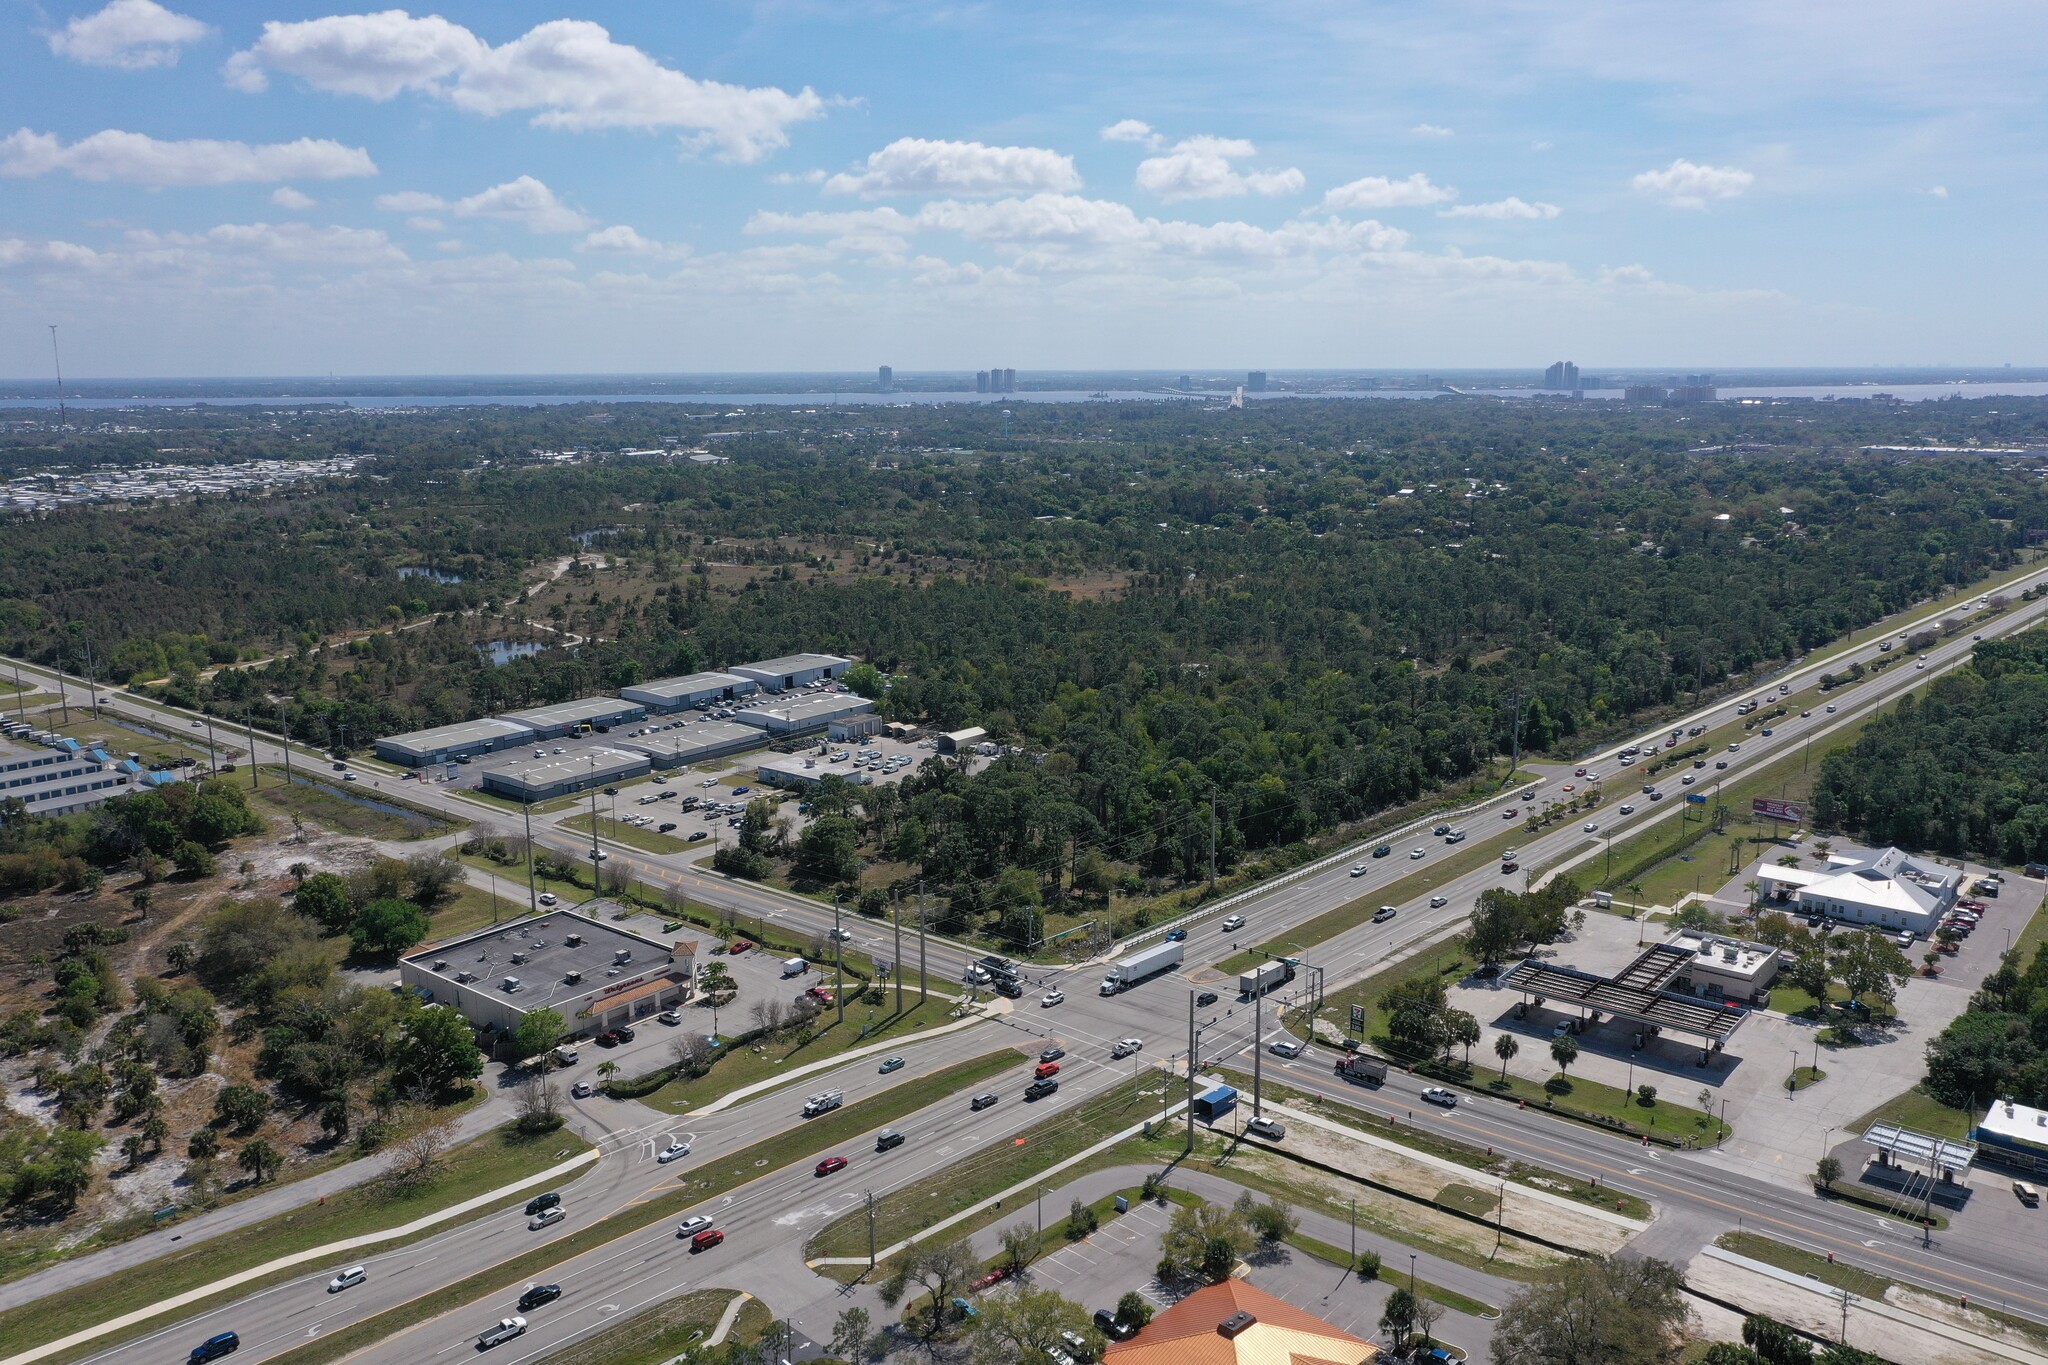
x=992, y=1279
x=706, y=1240
x=820, y=994
x=739, y=945
x=831, y=1164
x=1578, y=772
x=1510, y=813
x=1047, y=1069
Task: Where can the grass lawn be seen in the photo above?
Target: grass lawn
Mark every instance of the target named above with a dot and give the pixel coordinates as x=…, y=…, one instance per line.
x=1921, y=1112
x=1336, y=1257
x=480, y=1165
x=120, y=739
x=693, y=1187
x=1803, y=1077
x=1607, y=1105
x=671, y=1328
x=2032, y=937
x=317, y=802
x=1793, y=1001
x=1446, y=959
x=763, y=1061
x=647, y=840
x=1837, y=1273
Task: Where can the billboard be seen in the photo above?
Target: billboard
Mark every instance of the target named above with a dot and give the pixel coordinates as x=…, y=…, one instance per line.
x=1695, y=798
x=1777, y=810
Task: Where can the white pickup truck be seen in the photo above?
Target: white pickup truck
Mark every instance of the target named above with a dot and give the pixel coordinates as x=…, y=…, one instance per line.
x=506, y=1329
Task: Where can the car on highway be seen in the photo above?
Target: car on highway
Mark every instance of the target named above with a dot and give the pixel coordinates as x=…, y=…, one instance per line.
x=221, y=1343
x=354, y=1275
x=1510, y=813
x=1285, y=1047
x=546, y=1218
x=1510, y=866
x=1046, y=1069
x=1051, y=998
x=1176, y=935
x=1831, y=708
x=985, y=1100
x=887, y=1139
x=1125, y=1047
x=1441, y=830
x=1627, y=809
x=706, y=1240
x=1266, y=1128
x=1687, y=780
x=1052, y=1053
x=503, y=1331
x=1358, y=869
x=1578, y=772
x=547, y=898
x=538, y=1294
x=1205, y=998
x=1768, y=732
x=1437, y=1094
x=1039, y=1089
x=1383, y=850
x=829, y=1165
x=890, y=1064
x=675, y=1151
x=1415, y=853
x=1805, y=714
x=693, y=1225
x=1735, y=748
x=1917, y=663
x=1720, y=763
x=1233, y=923
x=1383, y=914
x=1438, y=902
x=543, y=1201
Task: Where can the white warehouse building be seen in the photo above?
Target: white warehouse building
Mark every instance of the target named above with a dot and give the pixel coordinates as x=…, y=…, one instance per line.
x=695, y=689
x=794, y=670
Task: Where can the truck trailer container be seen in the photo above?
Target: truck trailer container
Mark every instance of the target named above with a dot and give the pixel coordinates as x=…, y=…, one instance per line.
x=1137, y=966
x=1267, y=976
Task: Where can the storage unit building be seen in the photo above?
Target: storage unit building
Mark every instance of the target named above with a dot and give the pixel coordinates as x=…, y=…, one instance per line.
x=962, y=741
x=447, y=743
x=563, y=717
x=694, y=743
x=541, y=779
x=794, y=670
x=591, y=972
x=696, y=689
x=805, y=715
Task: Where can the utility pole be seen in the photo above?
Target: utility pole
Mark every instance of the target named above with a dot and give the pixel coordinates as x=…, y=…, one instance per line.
x=92, y=687
x=63, y=692
x=1212, y=841
x=1500, y=1213
x=871, y=1229
x=249, y=728
x=285, y=735
x=1258, y=1050
x=212, y=759
x=896, y=962
x=1191, y=1072
x=922, y=985
x=20, y=696
x=532, y=893
x=1354, y=1233
x=838, y=962
x=596, y=881
x=58, y=357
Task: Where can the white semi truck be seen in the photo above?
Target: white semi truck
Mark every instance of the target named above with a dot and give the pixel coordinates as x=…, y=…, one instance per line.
x=1135, y=967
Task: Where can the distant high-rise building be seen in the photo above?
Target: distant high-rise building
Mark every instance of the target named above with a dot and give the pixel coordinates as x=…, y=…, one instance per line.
x=981, y=381
x=1009, y=381
x=1185, y=383
x=1255, y=381
x=1564, y=374
x=1644, y=393
x=885, y=378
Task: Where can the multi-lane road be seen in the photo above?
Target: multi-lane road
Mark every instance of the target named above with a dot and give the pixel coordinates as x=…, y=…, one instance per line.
x=768, y=1219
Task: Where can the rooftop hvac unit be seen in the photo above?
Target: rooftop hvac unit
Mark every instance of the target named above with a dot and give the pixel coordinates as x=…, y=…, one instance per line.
x=1234, y=1324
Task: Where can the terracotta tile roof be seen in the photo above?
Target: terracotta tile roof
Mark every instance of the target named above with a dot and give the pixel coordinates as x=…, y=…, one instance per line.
x=1186, y=1334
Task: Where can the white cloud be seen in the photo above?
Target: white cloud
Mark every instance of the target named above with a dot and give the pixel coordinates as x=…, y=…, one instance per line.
x=132, y=34
x=426, y=223
x=914, y=165
x=1502, y=209
x=299, y=243
x=1378, y=192
x=620, y=239
x=1199, y=168
x=525, y=201
x=1431, y=130
x=810, y=177
x=1685, y=185
x=138, y=159
x=285, y=197
x=568, y=71
x=1939, y=191
x=1133, y=130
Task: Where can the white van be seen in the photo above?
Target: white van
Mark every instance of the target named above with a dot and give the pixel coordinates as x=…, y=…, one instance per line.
x=794, y=966
x=823, y=1103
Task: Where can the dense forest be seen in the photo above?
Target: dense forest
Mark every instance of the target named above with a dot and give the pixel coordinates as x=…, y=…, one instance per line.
x=1962, y=771
x=1307, y=611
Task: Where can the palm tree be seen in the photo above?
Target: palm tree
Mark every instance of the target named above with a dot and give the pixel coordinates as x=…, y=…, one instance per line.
x=1635, y=894
x=1505, y=1047
x=1564, y=1050
x=605, y=1072
x=259, y=1159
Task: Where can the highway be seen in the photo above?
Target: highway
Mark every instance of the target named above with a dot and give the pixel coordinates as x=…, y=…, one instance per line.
x=770, y=1217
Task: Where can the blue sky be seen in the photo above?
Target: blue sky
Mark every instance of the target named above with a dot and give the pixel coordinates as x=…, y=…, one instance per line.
x=291, y=188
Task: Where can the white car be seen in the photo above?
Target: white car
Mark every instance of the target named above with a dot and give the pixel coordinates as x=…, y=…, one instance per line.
x=1831, y=708
x=709, y=782
x=547, y=898
x=843, y=935
x=1126, y=1046
x=673, y=1151
x=355, y=1274
x=1415, y=853
x=1051, y=998
x=1627, y=809
x=1233, y=924
x=1438, y=902
x=1687, y=780
x=690, y=1227
x=1437, y=1094
x=1286, y=1047
x=1358, y=869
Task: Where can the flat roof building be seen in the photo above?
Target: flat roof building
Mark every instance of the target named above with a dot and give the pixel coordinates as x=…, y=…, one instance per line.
x=796, y=771
x=1725, y=968
x=803, y=715
x=68, y=777
x=2014, y=1135
x=1886, y=889
x=541, y=779
x=466, y=739
x=592, y=973
x=695, y=743
x=694, y=689
x=548, y=721
x=962, y=741
x=794, y=670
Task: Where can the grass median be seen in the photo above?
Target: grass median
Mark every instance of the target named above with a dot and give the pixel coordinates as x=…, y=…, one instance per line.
x=473, y=1168
x=767, y=1058
x=319, y=803
x=694, y=1187
x=672, y=1328
x=633, y=836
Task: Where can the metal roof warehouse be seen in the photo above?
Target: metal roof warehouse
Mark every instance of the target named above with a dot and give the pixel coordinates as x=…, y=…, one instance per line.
x=538, y=779
x=805, y=713
x=562, y=717
x=594, y=974
x=678, y=694
x=466, y=739
x=793, y=670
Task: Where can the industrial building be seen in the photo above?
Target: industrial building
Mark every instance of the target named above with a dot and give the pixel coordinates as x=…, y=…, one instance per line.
x=2013, y=1135
x=449, y=743
x=592, y=973
x=564, y=717
x=1726, y=968
x=851, y=728
x=541, y=779
x=962, y=741
x=796, y=772
x=680, y=694
x=1888, y=889
x=794, y=670
x=804, y=715
x=694, y=743
x=68, y=777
